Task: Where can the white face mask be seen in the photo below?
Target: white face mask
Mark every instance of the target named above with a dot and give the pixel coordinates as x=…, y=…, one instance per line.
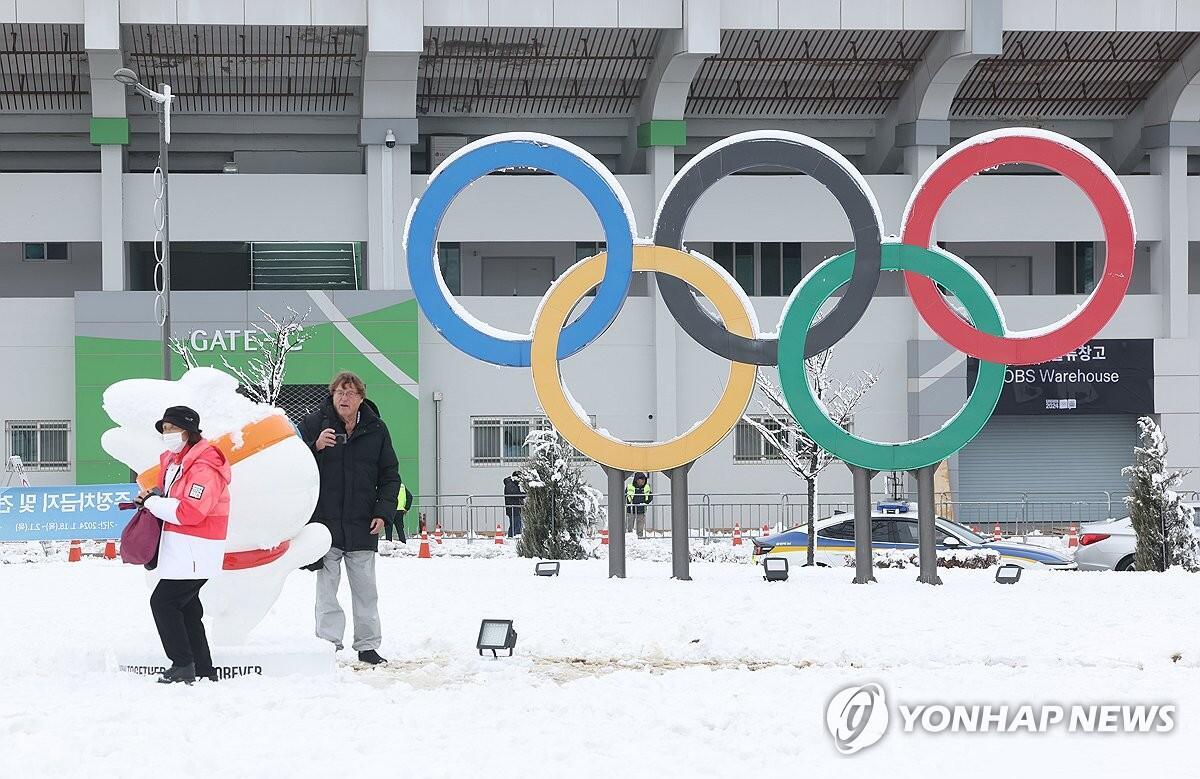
x=173, y=442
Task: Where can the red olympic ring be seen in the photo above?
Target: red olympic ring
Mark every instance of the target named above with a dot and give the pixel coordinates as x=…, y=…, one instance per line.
x=1116, y=216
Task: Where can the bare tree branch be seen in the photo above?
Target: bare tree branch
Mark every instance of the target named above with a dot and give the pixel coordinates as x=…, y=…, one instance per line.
x=806, y=458
x=184, y=350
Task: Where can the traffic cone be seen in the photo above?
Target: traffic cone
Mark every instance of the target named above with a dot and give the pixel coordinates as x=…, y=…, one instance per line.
x=766, y=529
x=423, y=552
x=996, y=532
x=737, y=534
x=975, y=529
x=76, y=553
x=110, y=550
x=499, y=535
x=437, y=533
x=603, y=536
x=1073, y=537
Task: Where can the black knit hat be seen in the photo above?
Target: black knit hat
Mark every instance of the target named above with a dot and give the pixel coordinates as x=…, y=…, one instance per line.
x=182, y=417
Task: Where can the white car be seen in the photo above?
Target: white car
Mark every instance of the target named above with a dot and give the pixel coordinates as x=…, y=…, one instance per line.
x=894, y=526
x=1109, y=545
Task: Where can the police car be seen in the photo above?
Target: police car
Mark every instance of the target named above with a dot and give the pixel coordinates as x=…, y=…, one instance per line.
x=894, y=526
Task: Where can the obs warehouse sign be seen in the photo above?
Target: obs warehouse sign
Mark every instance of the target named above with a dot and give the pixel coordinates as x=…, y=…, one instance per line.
x=1100, y=377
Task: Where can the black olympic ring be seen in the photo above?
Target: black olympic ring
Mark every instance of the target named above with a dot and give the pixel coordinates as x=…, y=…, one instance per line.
x=800, y=154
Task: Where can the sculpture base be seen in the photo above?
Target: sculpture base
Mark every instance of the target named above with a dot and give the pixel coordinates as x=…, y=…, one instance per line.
x=232, y=662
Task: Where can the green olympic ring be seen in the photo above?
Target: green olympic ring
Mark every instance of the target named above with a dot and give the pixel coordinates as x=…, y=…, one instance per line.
x=802, y=307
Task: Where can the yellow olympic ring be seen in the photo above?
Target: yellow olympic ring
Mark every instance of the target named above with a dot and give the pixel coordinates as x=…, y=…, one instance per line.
x=562, y=412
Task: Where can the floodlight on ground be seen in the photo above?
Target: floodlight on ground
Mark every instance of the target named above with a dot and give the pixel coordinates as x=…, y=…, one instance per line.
x=547, y=568
x=1008, y=574
x=495, y=634
x=775, y=569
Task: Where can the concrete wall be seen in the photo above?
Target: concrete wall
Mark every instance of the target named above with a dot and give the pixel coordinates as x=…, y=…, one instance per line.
x=37, y=342
x=49, y=278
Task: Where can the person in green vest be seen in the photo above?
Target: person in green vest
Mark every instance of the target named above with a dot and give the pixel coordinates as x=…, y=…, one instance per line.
x=637, y=497
x=403, y=504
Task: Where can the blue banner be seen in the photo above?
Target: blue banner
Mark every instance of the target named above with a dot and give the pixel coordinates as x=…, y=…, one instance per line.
x=85, y=512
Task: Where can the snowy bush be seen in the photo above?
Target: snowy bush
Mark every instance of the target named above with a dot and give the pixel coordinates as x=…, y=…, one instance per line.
x=956, y=558
x=1162, y=522
x=560, y=507
x=25, y=552
x=722, y=553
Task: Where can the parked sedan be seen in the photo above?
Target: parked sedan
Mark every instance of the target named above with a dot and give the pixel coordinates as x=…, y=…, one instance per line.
x=1106, y=546
x=894, y=526
x=1109, y=545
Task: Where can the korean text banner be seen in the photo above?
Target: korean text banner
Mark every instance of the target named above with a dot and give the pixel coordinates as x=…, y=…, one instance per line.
x=86, y=512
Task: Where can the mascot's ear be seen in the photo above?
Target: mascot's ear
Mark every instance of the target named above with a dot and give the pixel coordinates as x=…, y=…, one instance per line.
x=138, y=449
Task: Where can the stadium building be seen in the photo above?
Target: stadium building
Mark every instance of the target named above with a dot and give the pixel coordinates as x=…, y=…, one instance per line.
x=286, y=193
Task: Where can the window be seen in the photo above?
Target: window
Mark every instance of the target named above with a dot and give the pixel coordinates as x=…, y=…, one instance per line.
x=450, y=261
x=585, y=249
x=501, y=440
x=41, y=444
x=843, y=531
x=751, y=446
x=40, y=252
x=762, y=269
x=1074, y=267
x=906, y=532
x=281, y=265
x=881, y=531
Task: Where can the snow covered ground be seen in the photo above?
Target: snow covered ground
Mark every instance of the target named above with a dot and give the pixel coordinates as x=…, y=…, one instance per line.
x=721, y=676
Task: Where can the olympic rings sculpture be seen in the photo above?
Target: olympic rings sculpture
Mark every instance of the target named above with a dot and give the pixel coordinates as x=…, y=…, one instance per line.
x=736, y=335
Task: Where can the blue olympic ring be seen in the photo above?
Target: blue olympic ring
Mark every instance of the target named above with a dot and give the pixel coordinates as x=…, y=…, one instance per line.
x=582, y=171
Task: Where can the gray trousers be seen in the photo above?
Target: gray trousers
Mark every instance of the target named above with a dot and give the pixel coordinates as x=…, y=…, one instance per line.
x=364, y=599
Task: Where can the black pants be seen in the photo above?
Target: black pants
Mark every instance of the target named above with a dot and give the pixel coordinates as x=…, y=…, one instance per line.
x=177, y=614
x=397, y=522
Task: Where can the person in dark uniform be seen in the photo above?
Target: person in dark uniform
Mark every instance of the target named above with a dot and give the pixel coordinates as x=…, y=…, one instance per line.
x=514, y=500
x=637, y=497
x=403, y=504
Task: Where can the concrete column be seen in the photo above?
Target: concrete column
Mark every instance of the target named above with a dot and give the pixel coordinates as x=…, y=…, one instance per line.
x=918, y=159
x=109, y=130
x=112, y=218
x=387, y=210
x=395, y=39
x=1169, y=257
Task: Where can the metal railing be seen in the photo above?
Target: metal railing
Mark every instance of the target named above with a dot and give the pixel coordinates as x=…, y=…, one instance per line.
x=714, y=515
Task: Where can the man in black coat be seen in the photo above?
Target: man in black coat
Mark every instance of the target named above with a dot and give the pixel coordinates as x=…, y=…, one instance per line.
x=360, y=480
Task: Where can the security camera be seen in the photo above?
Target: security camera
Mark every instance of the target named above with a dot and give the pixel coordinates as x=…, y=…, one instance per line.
x=389, y=140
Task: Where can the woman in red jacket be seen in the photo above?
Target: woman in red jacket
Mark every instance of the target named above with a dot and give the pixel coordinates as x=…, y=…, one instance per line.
x=192, y=500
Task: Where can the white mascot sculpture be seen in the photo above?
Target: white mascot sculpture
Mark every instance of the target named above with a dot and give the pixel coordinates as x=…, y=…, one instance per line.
x=272, y=495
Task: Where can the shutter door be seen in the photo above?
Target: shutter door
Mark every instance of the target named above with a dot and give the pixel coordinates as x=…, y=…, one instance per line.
x=1046, y=469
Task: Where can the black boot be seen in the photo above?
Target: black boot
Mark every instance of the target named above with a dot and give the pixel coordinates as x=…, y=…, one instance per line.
x=371, y=657
x=178, y=673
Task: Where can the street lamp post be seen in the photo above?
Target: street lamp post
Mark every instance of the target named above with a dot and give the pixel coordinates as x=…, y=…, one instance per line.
x=162, y=207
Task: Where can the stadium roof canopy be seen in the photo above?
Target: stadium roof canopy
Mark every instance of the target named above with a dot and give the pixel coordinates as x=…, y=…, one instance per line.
x=586, y=72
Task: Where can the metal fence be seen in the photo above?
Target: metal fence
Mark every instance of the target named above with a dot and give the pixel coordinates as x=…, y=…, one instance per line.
x=714, y=515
